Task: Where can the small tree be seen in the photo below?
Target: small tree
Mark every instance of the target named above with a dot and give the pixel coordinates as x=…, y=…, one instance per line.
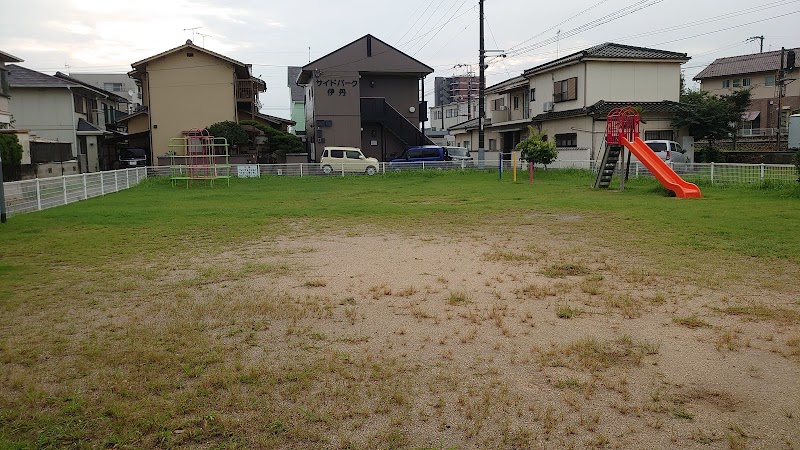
x=232, y=131
x=280, y=142
x=11, y=155
x=536, y=150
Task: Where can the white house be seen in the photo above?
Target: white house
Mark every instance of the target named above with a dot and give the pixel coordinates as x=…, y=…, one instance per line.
x=568, y=99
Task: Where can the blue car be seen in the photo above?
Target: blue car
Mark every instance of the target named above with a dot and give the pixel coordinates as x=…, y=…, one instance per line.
x=425, y=153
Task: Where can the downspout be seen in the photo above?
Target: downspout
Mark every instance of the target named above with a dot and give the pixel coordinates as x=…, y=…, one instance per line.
x=153, y=157
x=74, y=124
x=585, y=74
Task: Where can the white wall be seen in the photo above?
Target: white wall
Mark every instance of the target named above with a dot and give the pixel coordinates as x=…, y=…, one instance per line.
x=46, y=112
x=632, y=81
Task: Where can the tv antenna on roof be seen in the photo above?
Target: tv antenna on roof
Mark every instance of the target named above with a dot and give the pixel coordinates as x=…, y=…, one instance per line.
x=204, y=37
x=193, y=30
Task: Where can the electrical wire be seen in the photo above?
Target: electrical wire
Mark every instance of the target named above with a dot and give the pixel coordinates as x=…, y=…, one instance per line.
x=442, y=27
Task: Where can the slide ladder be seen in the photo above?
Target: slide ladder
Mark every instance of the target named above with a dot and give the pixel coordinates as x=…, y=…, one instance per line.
x=607, y=166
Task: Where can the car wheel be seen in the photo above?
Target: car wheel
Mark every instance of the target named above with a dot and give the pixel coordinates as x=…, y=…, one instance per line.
x=327, y=169
x=371, y=170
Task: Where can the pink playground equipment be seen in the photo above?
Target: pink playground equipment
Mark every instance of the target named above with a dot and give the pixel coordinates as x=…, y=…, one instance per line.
x=199, y=157
x=622, y=129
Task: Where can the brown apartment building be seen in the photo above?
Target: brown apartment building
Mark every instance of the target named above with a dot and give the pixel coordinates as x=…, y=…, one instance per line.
x=367, y=95
x=758, y=72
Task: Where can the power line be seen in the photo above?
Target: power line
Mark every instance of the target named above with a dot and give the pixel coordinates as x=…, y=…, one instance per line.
x=414, y=25
x=442, y=27
x=560, y=23
x=434, y=13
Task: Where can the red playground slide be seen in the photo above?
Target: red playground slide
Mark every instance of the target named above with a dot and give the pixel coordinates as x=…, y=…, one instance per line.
x=660, y=169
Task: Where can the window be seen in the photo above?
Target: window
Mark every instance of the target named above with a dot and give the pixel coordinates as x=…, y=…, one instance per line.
x=492, y=144
x=79, y=106
x=726, y=83
x=337, y=153
x=516, y=102
x=737, y=82
x=498, y=104
x=746, y=82
x=465, y=144
x=533, y=94
x=113, y=87
x=352, y=154
x=565, y=90
x=659, y=135
x=567, y=140
x=769, y=80
x=4, y=88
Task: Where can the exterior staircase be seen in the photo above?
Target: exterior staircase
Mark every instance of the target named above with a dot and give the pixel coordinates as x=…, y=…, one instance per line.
x=377, y=110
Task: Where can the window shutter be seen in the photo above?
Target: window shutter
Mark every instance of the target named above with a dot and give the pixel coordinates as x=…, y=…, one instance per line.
x=572, y=89
x=557, y=91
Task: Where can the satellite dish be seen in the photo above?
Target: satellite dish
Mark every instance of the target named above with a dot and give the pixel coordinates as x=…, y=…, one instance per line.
x=130, y=93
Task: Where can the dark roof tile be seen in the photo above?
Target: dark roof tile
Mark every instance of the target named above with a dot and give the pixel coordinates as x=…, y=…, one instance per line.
x=19, y=77
x=736, y=65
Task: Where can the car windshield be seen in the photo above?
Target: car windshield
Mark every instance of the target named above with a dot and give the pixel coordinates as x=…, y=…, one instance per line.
x=132, y=153
x=658, y=146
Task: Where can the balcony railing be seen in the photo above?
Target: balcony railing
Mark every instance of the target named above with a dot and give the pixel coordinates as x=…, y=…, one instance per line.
x=754, y=132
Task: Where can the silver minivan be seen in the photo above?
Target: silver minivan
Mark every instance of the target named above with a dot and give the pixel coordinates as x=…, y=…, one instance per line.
x=669, y=151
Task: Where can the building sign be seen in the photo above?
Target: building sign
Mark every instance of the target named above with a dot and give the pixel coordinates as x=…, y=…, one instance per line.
x=342, y=84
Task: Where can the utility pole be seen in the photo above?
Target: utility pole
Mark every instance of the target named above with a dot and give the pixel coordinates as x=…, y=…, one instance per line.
x=780, y=101
x=761, y=38
x=481, y=87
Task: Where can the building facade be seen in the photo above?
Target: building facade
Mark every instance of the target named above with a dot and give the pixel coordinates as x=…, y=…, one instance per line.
x=191, y=87
x=5, y=89
x=297, y=102
x=117, y=83
x=367, y=95
x=456, y=89
x=568, y=99
x=758, y=72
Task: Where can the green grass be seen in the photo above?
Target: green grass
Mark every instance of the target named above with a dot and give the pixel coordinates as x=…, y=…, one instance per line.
x=117, y=333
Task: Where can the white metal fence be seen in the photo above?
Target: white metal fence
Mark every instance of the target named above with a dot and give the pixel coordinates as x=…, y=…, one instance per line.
x=42, y=193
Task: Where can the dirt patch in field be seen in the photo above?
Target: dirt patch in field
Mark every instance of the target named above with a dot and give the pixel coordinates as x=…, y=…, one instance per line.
x=487, y=341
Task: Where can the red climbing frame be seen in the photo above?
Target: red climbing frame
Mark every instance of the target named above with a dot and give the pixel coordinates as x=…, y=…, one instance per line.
x=622, y=122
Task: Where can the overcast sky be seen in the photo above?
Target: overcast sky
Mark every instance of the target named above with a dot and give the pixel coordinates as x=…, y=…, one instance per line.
x=103, y=36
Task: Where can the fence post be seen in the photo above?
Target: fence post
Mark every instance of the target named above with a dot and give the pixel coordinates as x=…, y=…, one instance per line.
x=712, y=172
x=116, y=181
x=64, y=184
x=85, y=193
x=500, y=164
x=342, y=169
x=301, y=170
x=38, y=196
x=762, y=172
x=127, y=178
x=102, y=185
x=423, y=165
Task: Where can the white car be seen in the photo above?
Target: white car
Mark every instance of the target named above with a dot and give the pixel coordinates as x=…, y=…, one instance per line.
x=347, y=159
x=459, y=155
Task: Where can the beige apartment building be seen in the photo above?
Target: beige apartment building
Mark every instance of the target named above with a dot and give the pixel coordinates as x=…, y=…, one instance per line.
x=569, y=98
x=191, y=87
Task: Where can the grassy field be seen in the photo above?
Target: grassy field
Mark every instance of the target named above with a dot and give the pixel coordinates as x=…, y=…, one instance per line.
x=161, y=317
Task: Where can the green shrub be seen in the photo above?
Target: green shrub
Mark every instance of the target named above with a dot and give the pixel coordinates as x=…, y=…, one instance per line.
x=11, y=155
x=231, y=131
x=536, y=150
x=280, y=142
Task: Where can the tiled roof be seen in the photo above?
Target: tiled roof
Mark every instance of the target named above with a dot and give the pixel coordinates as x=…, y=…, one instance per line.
x=85, y=126
x=735, y=65
x=8, y=58
x=19, y=76
x=603, y=107
x=612, y=51
x=298, y=93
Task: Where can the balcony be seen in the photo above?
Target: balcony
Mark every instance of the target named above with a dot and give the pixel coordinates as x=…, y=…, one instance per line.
x=759, y=132
x=247, y=90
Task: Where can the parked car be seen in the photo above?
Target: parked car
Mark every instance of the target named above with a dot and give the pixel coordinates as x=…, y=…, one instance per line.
x=132, y=157
x=348, y=159
x=423, y=153
x=458, y=154
x=668, y=151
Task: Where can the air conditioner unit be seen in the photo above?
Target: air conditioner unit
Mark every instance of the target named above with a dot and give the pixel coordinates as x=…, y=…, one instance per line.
x=502, y=108
x=548, y=106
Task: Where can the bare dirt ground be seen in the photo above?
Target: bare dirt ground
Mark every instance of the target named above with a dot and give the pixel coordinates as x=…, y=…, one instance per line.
x=470, y=339
x=480, y=341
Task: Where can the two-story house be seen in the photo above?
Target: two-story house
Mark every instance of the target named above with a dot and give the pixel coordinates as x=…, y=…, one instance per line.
x=367, y=95
x=568, y=99
x=190, y=87
x=759, y=73
x=117, y=83
x=5, y=89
